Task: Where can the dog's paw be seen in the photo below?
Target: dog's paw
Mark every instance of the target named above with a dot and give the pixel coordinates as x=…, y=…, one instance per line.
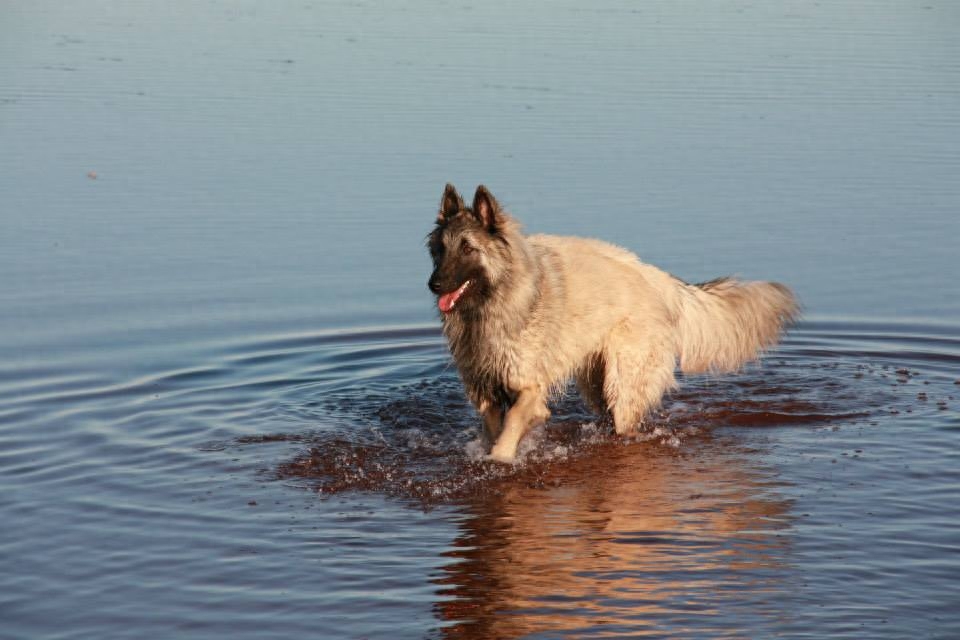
x=503, y=455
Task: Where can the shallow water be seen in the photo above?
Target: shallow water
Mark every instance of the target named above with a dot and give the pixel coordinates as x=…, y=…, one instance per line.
x=225, y=406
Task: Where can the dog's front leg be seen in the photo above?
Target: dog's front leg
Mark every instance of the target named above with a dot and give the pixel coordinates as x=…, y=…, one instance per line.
x=492, y=413
x=529, y=410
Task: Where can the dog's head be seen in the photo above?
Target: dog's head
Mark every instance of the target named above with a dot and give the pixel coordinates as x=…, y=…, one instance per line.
x=470, y=250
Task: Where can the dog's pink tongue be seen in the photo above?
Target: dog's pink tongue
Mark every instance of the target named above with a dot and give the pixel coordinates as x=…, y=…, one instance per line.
x=447, y=301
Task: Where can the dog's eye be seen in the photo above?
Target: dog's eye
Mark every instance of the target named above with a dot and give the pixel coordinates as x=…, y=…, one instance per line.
x=466, y=249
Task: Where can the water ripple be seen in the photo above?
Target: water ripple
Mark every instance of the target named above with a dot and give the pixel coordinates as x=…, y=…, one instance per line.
x=708, y=509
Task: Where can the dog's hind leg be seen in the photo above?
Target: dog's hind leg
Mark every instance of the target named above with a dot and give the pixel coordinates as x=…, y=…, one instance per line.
x=640, y=361
x=590, y=382
x=529, y=410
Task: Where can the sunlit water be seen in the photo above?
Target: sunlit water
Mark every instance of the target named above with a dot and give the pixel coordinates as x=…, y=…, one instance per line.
x=226, y=410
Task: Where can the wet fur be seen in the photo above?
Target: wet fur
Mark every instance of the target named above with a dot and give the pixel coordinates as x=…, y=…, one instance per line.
x=543, y=309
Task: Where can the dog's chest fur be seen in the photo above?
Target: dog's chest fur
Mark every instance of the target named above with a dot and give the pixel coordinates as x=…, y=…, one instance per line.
x=503, y=347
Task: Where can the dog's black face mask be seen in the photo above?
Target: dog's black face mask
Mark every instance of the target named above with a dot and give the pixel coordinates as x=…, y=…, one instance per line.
x=458, y=245
x=458, y=275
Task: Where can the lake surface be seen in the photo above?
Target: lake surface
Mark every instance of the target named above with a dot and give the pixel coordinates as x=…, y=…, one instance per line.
x=226, y=410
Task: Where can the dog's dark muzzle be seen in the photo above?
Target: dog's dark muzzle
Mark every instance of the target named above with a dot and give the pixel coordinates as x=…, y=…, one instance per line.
x=434, y=283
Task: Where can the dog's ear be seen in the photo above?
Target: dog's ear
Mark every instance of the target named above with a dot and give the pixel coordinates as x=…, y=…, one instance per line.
x=450, y=204
x=486, y=208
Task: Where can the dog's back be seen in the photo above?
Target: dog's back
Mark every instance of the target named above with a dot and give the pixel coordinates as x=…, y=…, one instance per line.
x=720, y=325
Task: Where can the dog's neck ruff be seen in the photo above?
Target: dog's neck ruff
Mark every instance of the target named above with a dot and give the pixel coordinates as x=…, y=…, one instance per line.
x=484, y=338
x=497, y=322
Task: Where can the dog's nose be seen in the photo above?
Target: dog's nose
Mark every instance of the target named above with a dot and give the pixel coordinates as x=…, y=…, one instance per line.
x=433, y=285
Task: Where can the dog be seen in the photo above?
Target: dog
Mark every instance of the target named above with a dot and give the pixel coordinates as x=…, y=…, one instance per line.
x=523, y=315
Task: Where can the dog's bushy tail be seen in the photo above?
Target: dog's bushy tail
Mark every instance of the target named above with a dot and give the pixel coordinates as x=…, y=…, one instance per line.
x=725, y=323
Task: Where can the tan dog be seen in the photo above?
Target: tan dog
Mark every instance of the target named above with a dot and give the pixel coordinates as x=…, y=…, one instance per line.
x=524, y=314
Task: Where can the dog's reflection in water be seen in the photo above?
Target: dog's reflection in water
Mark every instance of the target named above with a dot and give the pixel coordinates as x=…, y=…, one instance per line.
x=633, y=537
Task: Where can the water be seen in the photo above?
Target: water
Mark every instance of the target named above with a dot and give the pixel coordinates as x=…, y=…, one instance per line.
x=225, y=406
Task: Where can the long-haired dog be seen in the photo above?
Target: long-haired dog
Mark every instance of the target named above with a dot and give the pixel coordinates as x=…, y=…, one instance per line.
x=524, y=314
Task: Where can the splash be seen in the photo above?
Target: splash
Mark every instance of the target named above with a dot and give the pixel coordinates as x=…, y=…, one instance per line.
x=422, y=442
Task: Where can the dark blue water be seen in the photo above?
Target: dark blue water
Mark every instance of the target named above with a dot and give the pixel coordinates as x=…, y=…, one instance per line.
x=225, y=406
